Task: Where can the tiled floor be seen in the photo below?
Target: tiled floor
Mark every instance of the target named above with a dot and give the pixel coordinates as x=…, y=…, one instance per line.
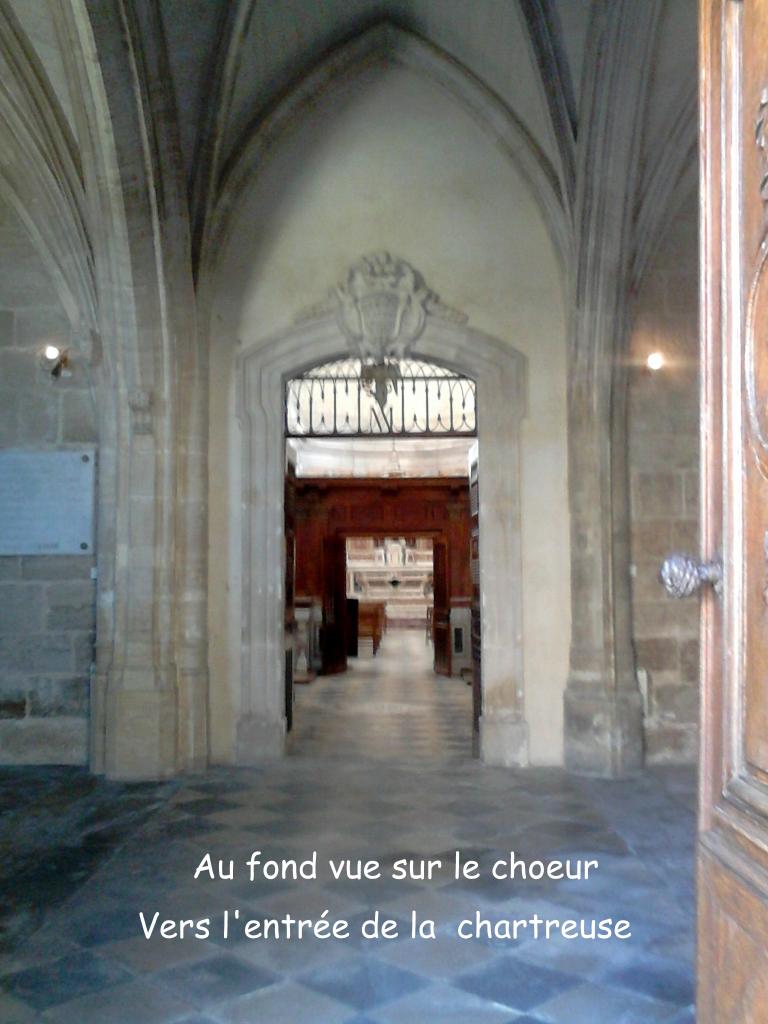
x=383, y=774
x=392, y=707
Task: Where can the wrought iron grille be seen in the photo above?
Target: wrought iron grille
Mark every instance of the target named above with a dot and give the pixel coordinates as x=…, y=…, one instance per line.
x=339, y=399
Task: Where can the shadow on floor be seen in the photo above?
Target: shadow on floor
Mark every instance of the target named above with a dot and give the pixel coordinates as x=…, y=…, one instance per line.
x=57, y=826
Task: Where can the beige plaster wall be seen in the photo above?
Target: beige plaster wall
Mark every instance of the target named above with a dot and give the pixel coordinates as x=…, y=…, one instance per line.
x=664, y=478
x=396, y=164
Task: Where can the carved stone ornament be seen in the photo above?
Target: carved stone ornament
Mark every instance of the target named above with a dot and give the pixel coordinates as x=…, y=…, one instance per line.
x=382, y=307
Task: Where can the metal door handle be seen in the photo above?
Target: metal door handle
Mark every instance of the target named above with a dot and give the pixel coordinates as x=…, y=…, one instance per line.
x=682, y=575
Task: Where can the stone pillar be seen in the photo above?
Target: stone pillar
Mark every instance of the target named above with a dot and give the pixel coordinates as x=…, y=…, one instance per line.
x=191, y=565
x=261, y=725
x=603, y=711
x=151, y=682
x=503, y=727
x=140, y=699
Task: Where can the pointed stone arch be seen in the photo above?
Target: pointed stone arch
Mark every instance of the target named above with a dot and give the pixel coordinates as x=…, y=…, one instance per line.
x=384, y=43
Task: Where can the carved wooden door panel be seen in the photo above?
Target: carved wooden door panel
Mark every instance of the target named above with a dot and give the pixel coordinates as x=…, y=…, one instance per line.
x=441, y=625
x=334, y=632
x=733, y=847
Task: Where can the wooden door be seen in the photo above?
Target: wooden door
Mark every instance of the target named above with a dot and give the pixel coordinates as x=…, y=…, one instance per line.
x=474, y=562
x=441, y=618
x=334, y=633
x=290, y=589
x=353, y=626
x=733, y=846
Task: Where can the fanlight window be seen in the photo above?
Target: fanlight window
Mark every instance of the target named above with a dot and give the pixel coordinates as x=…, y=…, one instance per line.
x=353, y=398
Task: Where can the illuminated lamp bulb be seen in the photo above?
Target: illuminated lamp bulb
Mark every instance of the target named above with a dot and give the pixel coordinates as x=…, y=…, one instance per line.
x=655, y=361
x=51, y=352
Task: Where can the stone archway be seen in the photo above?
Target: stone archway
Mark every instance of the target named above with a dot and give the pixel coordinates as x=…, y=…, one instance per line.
x=500, y=374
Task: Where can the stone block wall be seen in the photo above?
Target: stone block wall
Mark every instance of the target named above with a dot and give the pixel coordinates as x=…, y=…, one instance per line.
x=46, y=649
x=664, y=484
x=47, y=603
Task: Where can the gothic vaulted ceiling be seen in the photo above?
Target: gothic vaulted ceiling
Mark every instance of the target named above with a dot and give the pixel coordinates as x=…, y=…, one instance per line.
x=231, y=61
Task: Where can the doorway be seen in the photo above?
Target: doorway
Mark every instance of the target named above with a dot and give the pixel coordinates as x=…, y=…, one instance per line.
x=255, y=640
x=391, y=587
x=380, y=563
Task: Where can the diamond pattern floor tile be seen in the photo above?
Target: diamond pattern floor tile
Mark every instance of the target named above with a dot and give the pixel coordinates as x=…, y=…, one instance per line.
x=519, y=986
x=380, y=768
x=363, y=983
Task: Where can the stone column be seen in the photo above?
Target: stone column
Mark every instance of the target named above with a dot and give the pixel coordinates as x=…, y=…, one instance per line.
x=503, y=728
x=603, y=712
x=191, y=564
x=136, y=190
x=139, y=698
x=261, y=725
x=140, y=693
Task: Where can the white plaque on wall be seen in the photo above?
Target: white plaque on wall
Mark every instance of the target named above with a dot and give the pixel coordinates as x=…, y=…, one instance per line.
x=47, y=502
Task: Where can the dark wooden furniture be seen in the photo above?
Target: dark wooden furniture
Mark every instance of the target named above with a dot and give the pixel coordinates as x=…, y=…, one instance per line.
x=372, y=622
x=441, y=625
x=353, y=626
x=333, y=633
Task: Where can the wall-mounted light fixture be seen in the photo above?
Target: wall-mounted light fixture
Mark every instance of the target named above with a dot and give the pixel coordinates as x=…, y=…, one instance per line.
x=655, y=361
x=55, y=360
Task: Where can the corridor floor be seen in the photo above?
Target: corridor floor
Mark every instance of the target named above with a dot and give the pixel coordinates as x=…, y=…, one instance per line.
x=391, y=707
x=394, y=782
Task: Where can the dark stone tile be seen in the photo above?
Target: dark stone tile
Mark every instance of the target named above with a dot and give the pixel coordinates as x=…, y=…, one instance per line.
x=106, y=925
x=356, y=940
x=196, y=1020
x=512, y=983
x=211, y=981
x=469, y=808
x=686, y=1017
x=188, y=828
x=64, y=979
x=363, y=983
x=58, y=824
x=13, y=704
x=206, y=805
x=493, y=890
x=373, y=892
x=259, y=888
x=665, y=980
x=222, y=784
